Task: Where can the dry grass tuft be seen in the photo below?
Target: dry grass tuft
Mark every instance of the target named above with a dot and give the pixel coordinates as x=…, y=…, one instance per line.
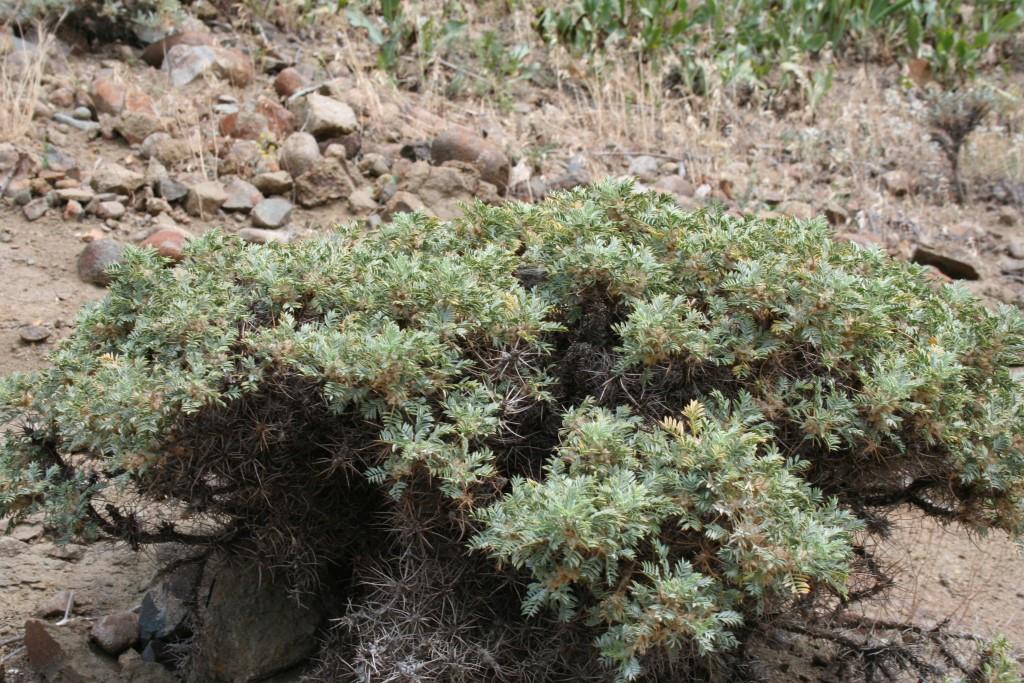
x=21, y=76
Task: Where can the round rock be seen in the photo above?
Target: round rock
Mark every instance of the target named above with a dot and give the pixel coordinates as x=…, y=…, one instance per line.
x=460, y=144
x=96, y=258
x=272, y=213
x=644, y=167
x=33, y=334
x=289, y=81
x=299, y=153
x=115, y=633
x=168, y=243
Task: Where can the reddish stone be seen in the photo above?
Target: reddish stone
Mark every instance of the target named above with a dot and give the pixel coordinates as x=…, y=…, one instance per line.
x=280, y=121
x=227, y=125
x=108, y=95
x=72, y=210
x=288, y=82
x=39, y=186
x=139, y=102
x=155, y=53
x=96, y=258
x=460, y=144
x=243, y=125
x=168, y=243
x=234, y=65
x=136, y=126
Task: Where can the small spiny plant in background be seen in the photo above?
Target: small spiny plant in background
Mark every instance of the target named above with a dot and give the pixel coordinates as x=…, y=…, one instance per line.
x=953, y=116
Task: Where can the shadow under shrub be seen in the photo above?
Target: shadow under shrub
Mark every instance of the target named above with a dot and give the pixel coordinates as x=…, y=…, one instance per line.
x=137, y=22
x=536, y=433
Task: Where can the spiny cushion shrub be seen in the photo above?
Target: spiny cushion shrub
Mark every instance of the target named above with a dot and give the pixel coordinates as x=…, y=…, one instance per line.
x=134, y=21
x=657, y=427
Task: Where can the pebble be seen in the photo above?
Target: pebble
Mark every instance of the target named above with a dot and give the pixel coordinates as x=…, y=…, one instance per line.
x=170, y=189
x=19, y=195
x=205, y=198
x=112, y=177
x=88, y=126
x=27, y=531
x=186, y=63
x=276, y=182
x=261, y=236
x=328, y=181
x=299, y=153
x=76, y=195
x=96, y=257
x=646, y=168
x=108, y=95
x=402, y=202
x=374, y=164
x=460, y=144
x=155, y=53
x=324, y=117
x=57, y=160
x=157, y=205
x=107, y=210
x=241, y=196
x=797, y=209
x=272, y=213
x=675, y=184
x=361, y=201
x=289, y=82
x=69, y=552
x=82, y=113
x=244, y=125
x=33, y=334
x=64, y=654
x=55, y=605
x=136, y=126
x=897, y=183
x=12, y=547
x=168, y=243
x=115, y=633
x=73, y=209
x=35, y=209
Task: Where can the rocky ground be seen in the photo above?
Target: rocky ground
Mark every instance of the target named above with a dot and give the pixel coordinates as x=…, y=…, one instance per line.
x=271, y=137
